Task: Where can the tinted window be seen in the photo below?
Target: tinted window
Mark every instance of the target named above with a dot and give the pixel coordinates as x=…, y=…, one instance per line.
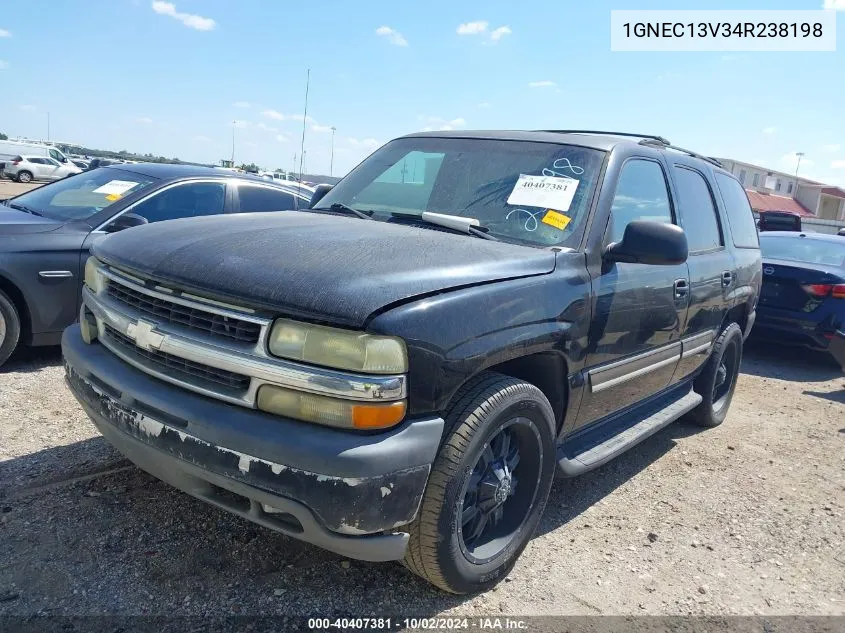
x=56, y=155
x=37, y=161
x=184, y=201
x=740, y=218
x=697, y=212
x=802, y=249
x=641, y=194
x=524, y=192
x=265, y=199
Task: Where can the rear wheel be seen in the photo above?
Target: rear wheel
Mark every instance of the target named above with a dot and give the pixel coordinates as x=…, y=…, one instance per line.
x=488, y=485
x=24, y=176
x=10, y=327
x=717, y=381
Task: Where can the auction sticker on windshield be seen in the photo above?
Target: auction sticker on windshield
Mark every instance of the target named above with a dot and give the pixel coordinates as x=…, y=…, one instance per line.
x=115, y=187
x=551, y=192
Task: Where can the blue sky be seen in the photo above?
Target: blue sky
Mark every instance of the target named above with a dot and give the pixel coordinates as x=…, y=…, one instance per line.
x=170, y=78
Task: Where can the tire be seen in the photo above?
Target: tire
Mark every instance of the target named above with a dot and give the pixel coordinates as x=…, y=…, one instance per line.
x=717, y=381
x=24, y=176
x=10, y=327
x=490, y=416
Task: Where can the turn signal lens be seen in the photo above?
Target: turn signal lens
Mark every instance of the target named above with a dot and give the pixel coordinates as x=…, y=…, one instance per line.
x=336, y=348
x=344, y=414
x=838, y=291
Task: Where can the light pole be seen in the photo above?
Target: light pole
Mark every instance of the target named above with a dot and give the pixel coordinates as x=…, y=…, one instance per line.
x=234, y=125
x=331, y=161
x=799, y=155
x=48, y=127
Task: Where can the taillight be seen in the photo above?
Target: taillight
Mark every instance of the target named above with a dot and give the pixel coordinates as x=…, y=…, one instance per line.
x=823, y=290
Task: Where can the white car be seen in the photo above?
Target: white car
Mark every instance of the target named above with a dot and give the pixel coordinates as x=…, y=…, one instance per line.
x=28, y=168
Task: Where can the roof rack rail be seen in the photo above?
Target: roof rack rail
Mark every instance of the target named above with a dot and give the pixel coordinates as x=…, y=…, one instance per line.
x=667, y=145
x=660, y=139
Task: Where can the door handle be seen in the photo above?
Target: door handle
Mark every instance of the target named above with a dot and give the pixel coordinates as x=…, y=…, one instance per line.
x=727, y=278
x=681, y=288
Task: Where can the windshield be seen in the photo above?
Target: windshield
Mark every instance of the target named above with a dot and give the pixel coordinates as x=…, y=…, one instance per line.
x=801, y=249
x=527, y=192
x=81, y=196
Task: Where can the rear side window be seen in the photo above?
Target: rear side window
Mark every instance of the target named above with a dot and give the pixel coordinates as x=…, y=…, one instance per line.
x=184, y=201
x=697, y=211
x=641, y=194
x=265, y=199
x=740, y=218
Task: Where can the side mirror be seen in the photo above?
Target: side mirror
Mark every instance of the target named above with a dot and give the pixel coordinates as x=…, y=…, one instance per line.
x=125, y=221
x=320, y=192
x=648, y=242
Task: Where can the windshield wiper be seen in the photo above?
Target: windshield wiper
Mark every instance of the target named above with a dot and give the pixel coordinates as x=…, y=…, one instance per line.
x=342, y=208
x=20, y=207
x=470, y=226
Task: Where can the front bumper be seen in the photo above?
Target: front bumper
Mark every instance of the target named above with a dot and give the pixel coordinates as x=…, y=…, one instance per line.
x=343, y=491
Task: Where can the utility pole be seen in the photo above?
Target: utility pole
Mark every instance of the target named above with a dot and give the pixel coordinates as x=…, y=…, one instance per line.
x=331, y=162
x=304, y=123
x=234, y=124
x=799, y=155
x=48, y=127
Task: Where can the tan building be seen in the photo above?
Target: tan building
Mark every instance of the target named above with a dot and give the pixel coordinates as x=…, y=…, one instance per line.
x=772, y=190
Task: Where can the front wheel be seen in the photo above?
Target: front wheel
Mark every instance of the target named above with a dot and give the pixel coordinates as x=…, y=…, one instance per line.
x=717, y=381
x=488, y=485
x=24, y=176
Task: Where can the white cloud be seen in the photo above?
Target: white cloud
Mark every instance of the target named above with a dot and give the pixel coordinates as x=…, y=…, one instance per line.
x=27, y=108
x=298, y=117
x=267, y=128
x=483, y=105
x=791, y=161
x=500, y=32
x=473, y=28
x=3, y=64
x=321, y=128
x=241, y=104
x=5, y=33
x=394, y=36
x=188, y=19
x=437, y=123
x=144, y=119
x=459, y=122
x=838, y=164
x=202, y=139
x=836, y=5
x=541, y=84
x=367, y=142
x=273, y=114
x=833, y=147
x=281, y=138
x=768, y=131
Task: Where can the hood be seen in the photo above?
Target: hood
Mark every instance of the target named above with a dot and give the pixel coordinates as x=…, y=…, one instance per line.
x=14, y=222
x=315, y=266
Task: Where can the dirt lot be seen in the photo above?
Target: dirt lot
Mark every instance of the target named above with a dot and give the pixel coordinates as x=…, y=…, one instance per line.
x=9, y=188
x=747, y=518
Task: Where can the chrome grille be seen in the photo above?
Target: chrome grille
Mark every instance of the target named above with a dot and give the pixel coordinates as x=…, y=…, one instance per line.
x=179, y=368
x=190, y=317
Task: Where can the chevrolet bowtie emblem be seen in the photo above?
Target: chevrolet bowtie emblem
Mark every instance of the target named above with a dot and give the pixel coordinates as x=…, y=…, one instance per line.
x=144, y=334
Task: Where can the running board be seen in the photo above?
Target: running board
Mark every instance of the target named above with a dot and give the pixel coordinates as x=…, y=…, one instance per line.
x=600, y=454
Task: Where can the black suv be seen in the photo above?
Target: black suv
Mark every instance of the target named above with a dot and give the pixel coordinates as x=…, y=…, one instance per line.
x=396, y=372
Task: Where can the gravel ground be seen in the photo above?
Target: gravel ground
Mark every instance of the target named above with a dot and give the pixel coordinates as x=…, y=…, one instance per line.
x=743, y=519
x=9, y=188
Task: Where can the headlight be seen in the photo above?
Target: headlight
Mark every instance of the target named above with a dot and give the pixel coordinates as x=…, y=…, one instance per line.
x=345, y=414
x=340, y=349
x=92, y=274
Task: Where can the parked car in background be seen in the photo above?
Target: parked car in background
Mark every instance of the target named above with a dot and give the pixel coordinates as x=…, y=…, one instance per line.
x=81, y=163
x=28, y=168
x=397, y=372
x=103, y=162
x=10, y=149
x=46, y=234
x=803, y=297
x=841, y=232
x=779, y=221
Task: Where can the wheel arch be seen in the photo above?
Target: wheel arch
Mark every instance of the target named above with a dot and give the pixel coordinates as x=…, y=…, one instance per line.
x=738, y=314
x=548, y=371
x=17, y=298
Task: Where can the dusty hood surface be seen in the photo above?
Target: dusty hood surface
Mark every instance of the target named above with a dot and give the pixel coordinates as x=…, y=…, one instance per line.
x=315, y=266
